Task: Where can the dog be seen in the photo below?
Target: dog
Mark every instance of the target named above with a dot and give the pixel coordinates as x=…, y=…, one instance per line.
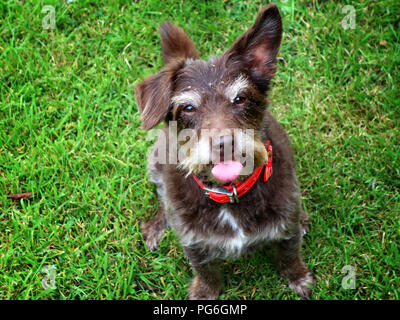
x=217, y=209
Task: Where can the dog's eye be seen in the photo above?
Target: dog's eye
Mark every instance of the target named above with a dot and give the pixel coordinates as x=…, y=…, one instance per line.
x=239, y=100
x=188, y=108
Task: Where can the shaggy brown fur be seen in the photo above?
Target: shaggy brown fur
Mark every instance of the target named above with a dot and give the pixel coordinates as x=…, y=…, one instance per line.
x=270, y=211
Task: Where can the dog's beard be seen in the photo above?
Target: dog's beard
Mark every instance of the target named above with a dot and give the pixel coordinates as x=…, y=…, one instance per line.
x=196, y=156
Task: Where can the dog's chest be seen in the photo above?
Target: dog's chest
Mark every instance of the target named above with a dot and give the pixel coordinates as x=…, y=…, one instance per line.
x=226, y=237
x=240, y=240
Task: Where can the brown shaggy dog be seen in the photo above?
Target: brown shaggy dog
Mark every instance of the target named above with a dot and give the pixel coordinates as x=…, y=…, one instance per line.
x=216, y=207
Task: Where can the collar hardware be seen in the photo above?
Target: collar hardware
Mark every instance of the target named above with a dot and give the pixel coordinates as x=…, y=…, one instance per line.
x=232, y=195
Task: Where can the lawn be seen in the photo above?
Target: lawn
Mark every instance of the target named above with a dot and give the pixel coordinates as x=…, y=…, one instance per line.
x=70, y=132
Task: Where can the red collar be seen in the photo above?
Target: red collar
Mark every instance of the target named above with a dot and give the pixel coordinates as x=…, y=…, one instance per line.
x=233, y=192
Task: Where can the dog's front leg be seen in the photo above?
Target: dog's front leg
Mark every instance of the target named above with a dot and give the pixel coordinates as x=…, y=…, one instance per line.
x=208, y=281
x=153, y=230
x=291, y=265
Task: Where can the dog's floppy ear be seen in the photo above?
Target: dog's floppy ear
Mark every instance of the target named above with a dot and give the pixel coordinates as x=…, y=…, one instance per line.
x=175, y=43
x=154, y=93
x=257, y=48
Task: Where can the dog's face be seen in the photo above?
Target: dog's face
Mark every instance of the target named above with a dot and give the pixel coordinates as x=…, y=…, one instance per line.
x=218, y=105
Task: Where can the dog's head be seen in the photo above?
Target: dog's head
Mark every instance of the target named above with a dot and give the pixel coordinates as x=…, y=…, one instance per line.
x=218, y=104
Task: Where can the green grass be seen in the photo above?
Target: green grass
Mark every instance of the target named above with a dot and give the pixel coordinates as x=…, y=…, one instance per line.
x=70, y=131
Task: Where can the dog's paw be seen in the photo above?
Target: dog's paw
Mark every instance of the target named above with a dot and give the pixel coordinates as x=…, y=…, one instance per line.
x=303, y=285
x=304, y=223
x=199, y=290
x=151, y=234
x=202, y=296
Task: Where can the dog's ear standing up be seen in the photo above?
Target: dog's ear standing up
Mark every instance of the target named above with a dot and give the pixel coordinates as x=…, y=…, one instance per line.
x=153, y=94
x=175, y=43
x=257, y=48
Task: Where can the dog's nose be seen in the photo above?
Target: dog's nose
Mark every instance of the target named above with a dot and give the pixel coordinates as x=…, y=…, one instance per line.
x=223, y=143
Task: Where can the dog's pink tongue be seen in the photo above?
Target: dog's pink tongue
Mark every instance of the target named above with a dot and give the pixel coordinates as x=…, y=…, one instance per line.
x=227, y=171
